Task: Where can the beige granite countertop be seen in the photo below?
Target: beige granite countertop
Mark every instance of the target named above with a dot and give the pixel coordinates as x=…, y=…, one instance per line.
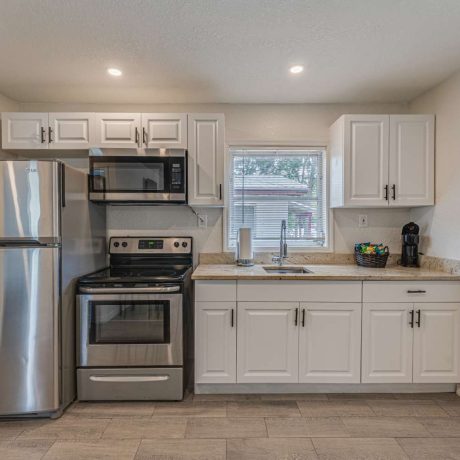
x=321, y=272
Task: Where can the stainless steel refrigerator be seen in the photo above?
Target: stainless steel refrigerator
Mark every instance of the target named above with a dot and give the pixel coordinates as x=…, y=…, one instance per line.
x=50, y=234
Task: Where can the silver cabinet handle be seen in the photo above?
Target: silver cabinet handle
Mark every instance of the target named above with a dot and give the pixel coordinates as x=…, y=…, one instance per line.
x=128, y=378
x=416, y=291
x=146, y=290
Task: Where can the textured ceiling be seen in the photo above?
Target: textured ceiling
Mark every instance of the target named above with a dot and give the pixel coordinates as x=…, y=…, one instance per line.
x=226, y=50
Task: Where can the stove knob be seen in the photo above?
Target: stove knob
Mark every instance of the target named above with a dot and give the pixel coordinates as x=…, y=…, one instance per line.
x=116, y=244
x=184, y=244
x=124, y=244
x=176, y=244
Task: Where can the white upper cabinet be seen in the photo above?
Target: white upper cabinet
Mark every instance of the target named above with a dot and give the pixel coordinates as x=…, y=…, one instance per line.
x=411, y=160
x=164, y=130
x=436, y=343
x=24, y=130
x=215, y=342
x=206, y=159
x=388, y=332
x=330, y=343
x=268, y=342
x=115, y=130
x=70, y=130
x=382, y=160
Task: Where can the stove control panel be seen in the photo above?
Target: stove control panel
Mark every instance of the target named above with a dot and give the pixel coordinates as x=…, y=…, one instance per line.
x=150, y=245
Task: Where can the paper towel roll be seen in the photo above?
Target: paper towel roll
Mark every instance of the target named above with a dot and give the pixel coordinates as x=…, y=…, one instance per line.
x=245, y=253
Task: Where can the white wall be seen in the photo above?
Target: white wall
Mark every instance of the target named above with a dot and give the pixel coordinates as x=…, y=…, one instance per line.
x=440, y=224
x=273, y=124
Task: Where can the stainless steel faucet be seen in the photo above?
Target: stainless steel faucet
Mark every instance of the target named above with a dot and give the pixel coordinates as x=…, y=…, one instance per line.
x=283, y=245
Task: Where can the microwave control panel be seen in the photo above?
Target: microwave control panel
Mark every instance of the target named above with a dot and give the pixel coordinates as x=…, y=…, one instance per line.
x=177, y=171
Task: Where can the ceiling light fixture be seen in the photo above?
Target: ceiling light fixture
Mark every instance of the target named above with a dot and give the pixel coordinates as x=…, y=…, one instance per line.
x=114, y=72
x=296, y=69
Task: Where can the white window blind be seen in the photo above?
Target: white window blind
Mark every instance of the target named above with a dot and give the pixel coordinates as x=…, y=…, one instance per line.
x=269, y=185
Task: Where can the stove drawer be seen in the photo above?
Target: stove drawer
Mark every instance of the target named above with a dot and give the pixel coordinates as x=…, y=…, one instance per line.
x=130, y=384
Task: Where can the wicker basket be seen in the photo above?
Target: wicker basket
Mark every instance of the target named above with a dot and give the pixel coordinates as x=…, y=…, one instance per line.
x=372, y=260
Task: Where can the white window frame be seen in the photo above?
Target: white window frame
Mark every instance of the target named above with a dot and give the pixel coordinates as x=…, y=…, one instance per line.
x=329, y=246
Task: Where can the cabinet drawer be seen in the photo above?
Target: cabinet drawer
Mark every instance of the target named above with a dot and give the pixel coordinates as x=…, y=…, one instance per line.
x=214, y=291
x=411, y=291
x=299, y=291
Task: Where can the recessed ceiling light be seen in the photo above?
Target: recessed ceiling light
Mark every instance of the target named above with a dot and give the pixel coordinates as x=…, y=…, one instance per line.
x=114, y=72
x=296, y=69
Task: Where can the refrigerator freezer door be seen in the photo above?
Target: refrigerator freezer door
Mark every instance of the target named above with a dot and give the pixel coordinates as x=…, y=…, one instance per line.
x=29, y=330
x=29, y=200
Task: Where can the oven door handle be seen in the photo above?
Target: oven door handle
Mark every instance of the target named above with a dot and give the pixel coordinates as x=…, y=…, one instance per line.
x=128, y=378
x=134, y=290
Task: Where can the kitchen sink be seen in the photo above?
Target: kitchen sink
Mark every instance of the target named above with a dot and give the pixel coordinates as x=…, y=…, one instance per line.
x=286, y=270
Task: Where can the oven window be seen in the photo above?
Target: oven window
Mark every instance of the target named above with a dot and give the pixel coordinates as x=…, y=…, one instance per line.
x=129, y=175
x=117, y=322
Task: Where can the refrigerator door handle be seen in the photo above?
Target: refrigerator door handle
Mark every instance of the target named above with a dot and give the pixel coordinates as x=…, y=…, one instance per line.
x=63, y=185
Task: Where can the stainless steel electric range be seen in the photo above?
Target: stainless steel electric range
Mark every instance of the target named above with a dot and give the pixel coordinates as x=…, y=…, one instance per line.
x=135, y=321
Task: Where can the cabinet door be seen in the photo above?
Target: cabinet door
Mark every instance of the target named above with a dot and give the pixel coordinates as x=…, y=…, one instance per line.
x=24, y=130
x=267, y=343
x=164, y=130
x=71, y=130
x=411, y=160
x=114, y=130
x=206, y=159
x=366, y=160
x=215, y=342
x=387, y=343
x=330, y=343
x=436, y=343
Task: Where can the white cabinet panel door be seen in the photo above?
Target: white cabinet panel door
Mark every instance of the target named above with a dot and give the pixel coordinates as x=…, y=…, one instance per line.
x=330, y=343
x=411, y=160
x=206, y=159
x=164, y=130
x=387, y=343
x=114, y=130
x=436, y=343
x=215, y=342
x=71, y=130
x=268, y=341
x=24, y=130
x=366, y=160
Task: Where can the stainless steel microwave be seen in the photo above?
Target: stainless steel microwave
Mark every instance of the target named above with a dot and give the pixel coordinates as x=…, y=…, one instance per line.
x=143, y=176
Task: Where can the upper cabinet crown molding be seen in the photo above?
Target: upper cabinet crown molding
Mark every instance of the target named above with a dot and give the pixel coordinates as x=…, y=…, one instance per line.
x=382, y=160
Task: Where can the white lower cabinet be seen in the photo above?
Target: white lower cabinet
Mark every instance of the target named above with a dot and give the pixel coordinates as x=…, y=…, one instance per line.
x=268, y=342
x=387, y=343
x=405, y=343
x=403, y=332
x=436, y=343
x=330, y=343
x=215, y=342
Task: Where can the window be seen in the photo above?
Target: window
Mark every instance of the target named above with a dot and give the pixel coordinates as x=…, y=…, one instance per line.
x=269, y=185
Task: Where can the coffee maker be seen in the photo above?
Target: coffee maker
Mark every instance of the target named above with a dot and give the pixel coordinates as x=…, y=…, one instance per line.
x=410, y=239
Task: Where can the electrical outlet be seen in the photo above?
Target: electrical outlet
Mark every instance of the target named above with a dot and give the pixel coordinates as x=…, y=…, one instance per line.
x=362, y=221
x=202, y=221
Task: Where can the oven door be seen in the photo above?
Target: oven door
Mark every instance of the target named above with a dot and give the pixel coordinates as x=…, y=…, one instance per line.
x=131, y=179
x=130, y=330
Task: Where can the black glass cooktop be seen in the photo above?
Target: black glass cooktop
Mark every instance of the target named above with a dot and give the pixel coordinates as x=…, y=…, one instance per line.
x=132, y=274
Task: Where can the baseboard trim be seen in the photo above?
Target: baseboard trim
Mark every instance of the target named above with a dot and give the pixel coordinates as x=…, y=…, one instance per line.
x=248, y=388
